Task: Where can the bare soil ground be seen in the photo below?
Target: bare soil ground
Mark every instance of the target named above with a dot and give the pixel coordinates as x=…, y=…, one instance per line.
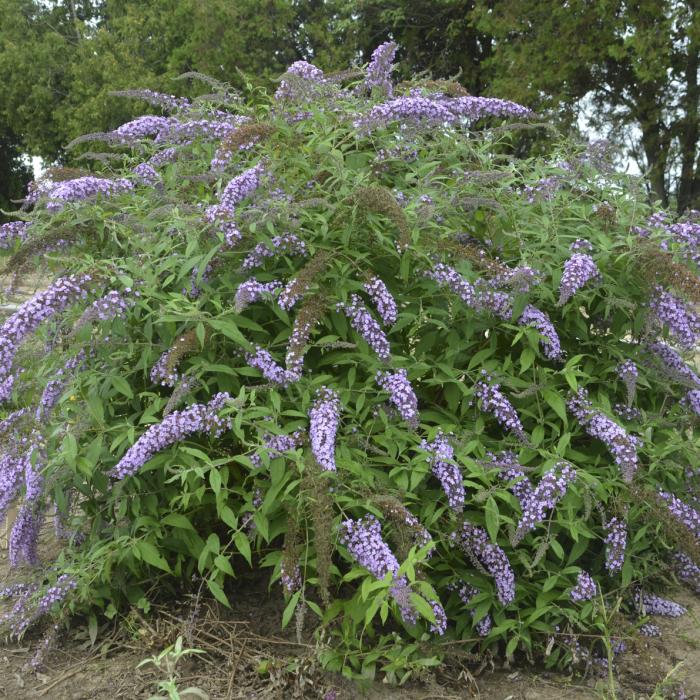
x=248, y=657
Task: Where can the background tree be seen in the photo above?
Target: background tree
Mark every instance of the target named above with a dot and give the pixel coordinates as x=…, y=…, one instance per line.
x=635, y=62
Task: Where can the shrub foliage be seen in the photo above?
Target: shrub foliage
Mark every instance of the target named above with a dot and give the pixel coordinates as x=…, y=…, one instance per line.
x=345, y=335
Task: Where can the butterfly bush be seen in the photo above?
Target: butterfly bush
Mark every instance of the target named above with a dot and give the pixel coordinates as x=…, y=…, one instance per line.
x=579, y=270
x=383, y=301
x=465, y=593
x=628, y=373
x=621, y=444
x=13, y=232
x=31, y=314
x=671, y=312
x=324, y=418
x=495, y=402
x=441, y=460
x=198, y=418
x=474, y=541
x=615, y=545
x=365, y=324
x=551, y=345
x=363, y=539
x=585, y=588
x=308, y=253
x=401, y=394
x=544, y=497
x=380, y=67
x=652, y=604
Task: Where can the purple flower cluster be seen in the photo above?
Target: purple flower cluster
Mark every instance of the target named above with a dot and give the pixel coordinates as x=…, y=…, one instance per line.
x=324, y=419
x=628, y=373
x=628, y=413
x=299, y=72
x=581, y=245
x=56, y=386
x=544, y=189
x=251, y=290
x=441, y=459
x=466, y=592
x=363, y=539
x=475, y=542
x=512, y=472
x=652, y=604
x=672, y=364
x=261, y=359
x=493, y=401
x=30, y=315
x=621, y=444
x=380, y=67
x=687, y=570
x=426, y=112
x=692, y=400
x=112, y=305
x=24, y=537
x=579, y=269
x=289, y=244
x=382, y=299
x=520, y=279
x=615, y=545
x=365, y=324
x=648, y=629
x=447, y=276
x=685, y=514
x=198, y=418
x=142, y=127
x=188, y=130
x=291, y=580
x=275, y=445
x=500, y=304
x=146, y=174
x=13, y=232
x=585, y=588
x=682, y=323
x=234, y=193
x=551, y=345
x=544, y=497
x=401, y=394
x=84, y=188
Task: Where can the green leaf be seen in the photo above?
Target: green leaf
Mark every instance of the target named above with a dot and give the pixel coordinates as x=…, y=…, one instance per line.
x=177, y=520
x=556, y=402
x=492, y=518
x=122, y=386
x=150, y=554
x=289, y=610
x=218, y=592
x=242, y=543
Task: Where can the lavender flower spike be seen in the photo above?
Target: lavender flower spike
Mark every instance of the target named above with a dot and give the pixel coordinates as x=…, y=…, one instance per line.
x=579, y=269
x=325, y=416
x=628, y=373
x=363, y=539
x=615, y=545
x=475, y=543
x=441, y=459
x=585, y=588
x=383, y=301
x=493, y=401
x=621, y=444
x=363, y=322
x=685, y=514
x=379, y=69
x=198, y=418
x=401, y=392
x=683, y=323
x=548, y=493
x=551, y=345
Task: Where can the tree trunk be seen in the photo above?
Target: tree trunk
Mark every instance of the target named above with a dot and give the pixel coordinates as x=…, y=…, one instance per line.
x=689, y=183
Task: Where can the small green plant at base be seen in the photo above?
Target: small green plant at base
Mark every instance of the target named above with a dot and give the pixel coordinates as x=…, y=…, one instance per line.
x=166, y=662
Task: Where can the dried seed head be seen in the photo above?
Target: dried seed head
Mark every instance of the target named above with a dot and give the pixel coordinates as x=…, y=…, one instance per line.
x=304, y=278
x=316, y=491
x=380, y=200
x=659, y=267
x=450, y=88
